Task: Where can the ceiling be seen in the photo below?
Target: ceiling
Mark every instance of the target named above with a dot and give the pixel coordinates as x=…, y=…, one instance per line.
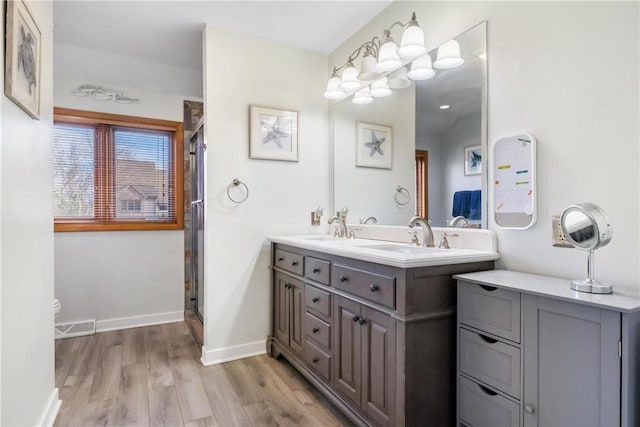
x=170, y=32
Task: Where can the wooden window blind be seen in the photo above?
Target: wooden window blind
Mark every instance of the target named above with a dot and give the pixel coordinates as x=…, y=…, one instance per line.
x=116, y=172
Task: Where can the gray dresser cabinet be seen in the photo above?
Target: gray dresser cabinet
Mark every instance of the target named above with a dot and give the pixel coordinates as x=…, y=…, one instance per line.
x=526, y=358
x=378, y=341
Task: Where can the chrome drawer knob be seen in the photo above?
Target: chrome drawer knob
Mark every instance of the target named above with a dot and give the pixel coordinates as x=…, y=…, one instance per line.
x=529, y=409
x=315, y=330
x=315, y=299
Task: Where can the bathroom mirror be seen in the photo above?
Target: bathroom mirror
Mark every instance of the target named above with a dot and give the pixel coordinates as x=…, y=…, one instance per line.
x=586, y=226
x=426, y=138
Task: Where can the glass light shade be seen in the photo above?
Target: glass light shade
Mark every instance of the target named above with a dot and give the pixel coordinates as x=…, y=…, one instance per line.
x=421, y=68
x=368, y=67
x=350, y=78
x=333, y=88
x=388, y=58
x=412, y=43
x=448, y=55
x=380, y=88
x=398, y=79
x=362, y=97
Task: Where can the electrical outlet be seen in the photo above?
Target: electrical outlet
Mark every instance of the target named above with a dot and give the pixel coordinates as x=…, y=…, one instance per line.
x=558, y=238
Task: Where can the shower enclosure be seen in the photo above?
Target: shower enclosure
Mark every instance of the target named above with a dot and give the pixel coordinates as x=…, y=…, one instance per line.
x=196, y=150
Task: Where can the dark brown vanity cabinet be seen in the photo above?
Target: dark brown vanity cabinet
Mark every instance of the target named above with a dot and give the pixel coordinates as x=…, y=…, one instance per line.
x=378, y=341
x=289, y=312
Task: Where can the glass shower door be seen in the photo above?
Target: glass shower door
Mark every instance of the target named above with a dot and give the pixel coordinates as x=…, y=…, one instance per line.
x=197, y=223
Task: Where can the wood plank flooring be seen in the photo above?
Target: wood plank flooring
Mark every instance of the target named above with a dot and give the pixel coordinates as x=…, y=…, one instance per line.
x=152, y=376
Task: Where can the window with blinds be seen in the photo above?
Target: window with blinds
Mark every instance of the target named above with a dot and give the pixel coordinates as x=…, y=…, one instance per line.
x=116, y=172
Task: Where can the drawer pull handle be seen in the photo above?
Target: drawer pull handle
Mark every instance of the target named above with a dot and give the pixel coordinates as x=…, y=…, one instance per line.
x=344, y=279
x=356, y=318
x=488, y=339
x=294, y=263
x=315, y=360
x=373, y=288
x=488, y=288
x=316, y=270
x=280, y=259
x=529, y=409
x=315, y=330
x=362, y=321
x=487, y=391
x=315, y=299
x=287, y=286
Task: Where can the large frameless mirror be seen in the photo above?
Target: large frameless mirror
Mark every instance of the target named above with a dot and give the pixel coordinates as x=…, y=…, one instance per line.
x=586, y=226
x=433, y=136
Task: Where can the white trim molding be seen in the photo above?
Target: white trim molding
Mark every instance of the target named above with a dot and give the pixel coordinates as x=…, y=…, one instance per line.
x=227, y=354
x=137, y=321
x=51, y=410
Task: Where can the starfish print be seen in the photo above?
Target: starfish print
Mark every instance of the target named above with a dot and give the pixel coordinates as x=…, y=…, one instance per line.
x=475, y=159
x=273, y=132
x=375, y=144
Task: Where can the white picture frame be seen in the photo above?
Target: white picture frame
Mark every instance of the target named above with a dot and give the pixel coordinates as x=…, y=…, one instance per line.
x=273, y=133
x=473, y=160
x=22, y=58
x=374, y=145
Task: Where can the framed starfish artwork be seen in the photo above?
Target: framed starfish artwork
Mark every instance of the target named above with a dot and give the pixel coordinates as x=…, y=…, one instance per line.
x=273, y=133
x=374, y=146
x=22, y=58
x=473, y=160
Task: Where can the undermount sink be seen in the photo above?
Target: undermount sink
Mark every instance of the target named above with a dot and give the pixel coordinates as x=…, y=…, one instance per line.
x=402, y=249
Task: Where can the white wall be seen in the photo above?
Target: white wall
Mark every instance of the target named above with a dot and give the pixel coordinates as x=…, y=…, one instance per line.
x=27, y=394
x=371, y=191
x=282, y=194
x=547, y=74
x=124, y=277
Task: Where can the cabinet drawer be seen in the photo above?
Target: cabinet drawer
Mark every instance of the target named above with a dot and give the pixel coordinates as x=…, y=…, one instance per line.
x=289, y=261
x=490, y=309
x=318, y=330
x=372, y=286
x=317, y=360
x=481, y=407
x=317, y=269
x=318, y=300
x=490, y=361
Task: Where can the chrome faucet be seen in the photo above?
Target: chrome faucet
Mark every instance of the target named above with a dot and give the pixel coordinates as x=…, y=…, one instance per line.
x=369, y=218
x=343, y=231
x=458, y=220
x=427, y=232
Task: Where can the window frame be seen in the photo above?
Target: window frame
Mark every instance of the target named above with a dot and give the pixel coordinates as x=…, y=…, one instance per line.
x=176, y=172
x=422, y=183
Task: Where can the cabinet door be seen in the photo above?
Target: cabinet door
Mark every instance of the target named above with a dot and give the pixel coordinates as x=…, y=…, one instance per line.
x=572, y=369
x=281, y=309
x=347, y=350
x=296, y=311
x=378, y=365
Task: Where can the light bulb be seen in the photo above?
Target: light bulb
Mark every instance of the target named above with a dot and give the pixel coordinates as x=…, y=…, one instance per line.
x=363, y=96
x=333, y=88
x=421, y=68
x=448, y=55
x=350, y=78
x=380, y=88
x=412, y=43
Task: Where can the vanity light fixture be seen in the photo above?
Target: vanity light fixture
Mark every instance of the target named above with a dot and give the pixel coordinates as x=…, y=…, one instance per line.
x=381, y=56
x=448, y=55
x=363, y=96
x=421, y=68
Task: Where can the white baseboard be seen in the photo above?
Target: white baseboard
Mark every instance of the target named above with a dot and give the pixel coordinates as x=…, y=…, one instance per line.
x=137, y=321
x=227, y=354
x=51, y=410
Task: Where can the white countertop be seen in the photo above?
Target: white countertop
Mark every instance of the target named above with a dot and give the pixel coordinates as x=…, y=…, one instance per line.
x=384, y=252
x=622, y=299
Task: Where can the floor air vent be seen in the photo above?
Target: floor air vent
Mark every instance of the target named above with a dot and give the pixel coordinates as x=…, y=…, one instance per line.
x=75, y=329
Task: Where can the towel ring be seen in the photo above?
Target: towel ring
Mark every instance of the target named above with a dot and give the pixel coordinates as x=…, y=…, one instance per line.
x=399, y=196
x=234, y=184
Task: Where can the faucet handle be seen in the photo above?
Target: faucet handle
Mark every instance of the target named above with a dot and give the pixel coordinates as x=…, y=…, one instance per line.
x=444, y=243
x=414, y=239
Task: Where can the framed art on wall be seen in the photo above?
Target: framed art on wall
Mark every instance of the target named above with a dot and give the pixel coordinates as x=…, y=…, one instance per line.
x=374, y=145
x=273, y=133
x=473, y=160
x=22, y=58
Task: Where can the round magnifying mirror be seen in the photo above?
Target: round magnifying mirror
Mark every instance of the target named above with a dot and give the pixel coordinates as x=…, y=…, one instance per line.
x=587, y=227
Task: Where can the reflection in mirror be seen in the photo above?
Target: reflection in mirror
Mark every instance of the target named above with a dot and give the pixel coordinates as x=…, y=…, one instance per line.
x=426, y=146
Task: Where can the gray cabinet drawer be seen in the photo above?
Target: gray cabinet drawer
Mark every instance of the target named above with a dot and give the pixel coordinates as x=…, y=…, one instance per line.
x=317, y=269
x=317, y=360
x=490, y=361
x=481, y=407
x=289, y=261
x=491, y=309
x=372, y=286
x=318, y=330
x=318, y=300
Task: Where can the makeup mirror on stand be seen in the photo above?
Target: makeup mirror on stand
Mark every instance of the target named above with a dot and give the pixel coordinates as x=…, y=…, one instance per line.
x=587, y=227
